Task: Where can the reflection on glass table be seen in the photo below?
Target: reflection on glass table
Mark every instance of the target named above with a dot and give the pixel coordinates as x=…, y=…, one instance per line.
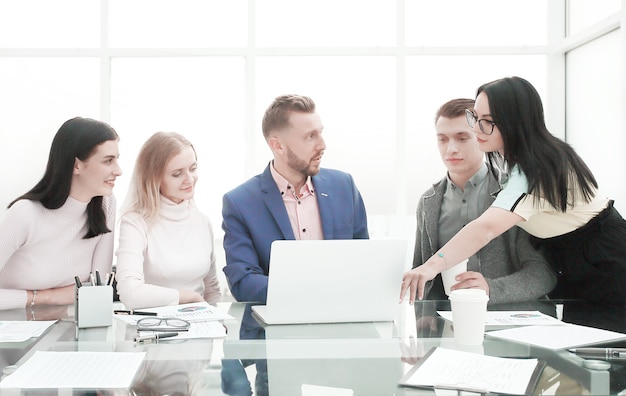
x=353, y=358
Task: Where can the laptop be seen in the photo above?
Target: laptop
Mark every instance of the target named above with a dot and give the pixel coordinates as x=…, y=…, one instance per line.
x=334, y=281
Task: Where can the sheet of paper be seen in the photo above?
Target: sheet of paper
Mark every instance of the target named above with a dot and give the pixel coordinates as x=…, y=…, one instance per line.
x=192, y=312
x=18, y=331
x=448, y=368
x=210, y=329
x=562, y=336
x=90, y=370
x=512, y=318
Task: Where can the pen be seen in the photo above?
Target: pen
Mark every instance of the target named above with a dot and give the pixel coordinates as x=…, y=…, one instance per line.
x=98, y=279
x=92, y=279
x=606, y=353
x=132, y=312
x=78, y=282
x=153, y=337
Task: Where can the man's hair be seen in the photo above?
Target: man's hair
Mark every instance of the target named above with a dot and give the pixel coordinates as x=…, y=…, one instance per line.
x=277, y=114
x=454, y=108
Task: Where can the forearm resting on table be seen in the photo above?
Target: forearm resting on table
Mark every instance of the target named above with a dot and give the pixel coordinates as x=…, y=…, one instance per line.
x=57, y=296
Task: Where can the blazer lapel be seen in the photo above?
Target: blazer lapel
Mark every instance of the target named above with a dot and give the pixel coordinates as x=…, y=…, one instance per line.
x=432, y=207
x=274, y=202
x=323, y=193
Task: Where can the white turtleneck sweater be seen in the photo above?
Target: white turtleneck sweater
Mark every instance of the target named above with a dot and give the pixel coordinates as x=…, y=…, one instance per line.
x=175, y=253
x=44, y=248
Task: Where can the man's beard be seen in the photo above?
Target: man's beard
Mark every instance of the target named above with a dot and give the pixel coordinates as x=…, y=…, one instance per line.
x=300, y=165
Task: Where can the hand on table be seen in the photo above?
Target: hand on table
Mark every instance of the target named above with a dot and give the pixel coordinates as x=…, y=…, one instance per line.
x=415, y=280
x=188, y=296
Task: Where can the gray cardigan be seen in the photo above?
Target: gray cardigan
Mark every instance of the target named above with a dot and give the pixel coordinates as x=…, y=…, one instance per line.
x=514, y=270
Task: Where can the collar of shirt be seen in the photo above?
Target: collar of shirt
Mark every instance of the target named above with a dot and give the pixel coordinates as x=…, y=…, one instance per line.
x=302, y=210
x=459, y=207
x=284, y=186
x=476, y=179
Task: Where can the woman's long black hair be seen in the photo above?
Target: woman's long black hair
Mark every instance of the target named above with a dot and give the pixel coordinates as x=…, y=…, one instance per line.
x=551, y=166
x=77, y=138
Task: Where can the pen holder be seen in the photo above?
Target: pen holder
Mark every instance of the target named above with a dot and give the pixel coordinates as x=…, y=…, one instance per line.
x=94, y=306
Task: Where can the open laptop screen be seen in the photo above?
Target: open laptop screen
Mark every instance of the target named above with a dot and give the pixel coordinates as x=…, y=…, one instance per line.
x=334, y=281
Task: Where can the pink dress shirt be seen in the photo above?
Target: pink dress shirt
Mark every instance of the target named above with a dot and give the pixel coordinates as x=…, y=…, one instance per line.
x=302, y=208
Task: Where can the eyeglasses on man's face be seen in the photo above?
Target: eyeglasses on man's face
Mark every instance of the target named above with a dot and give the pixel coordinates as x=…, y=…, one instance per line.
x=486, y=126
x=154, y=324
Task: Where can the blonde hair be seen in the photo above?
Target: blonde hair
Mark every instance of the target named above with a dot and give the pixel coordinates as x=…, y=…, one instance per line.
x=144, y=192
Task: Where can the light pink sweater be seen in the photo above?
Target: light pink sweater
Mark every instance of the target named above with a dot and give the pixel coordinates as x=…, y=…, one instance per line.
x=176, y=252
x=44, y=248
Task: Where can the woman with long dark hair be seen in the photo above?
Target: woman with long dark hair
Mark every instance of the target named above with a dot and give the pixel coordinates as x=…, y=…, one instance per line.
x=550, y=193
x=63, y=226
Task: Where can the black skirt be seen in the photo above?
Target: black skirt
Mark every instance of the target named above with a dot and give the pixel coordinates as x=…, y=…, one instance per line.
x=590, y=263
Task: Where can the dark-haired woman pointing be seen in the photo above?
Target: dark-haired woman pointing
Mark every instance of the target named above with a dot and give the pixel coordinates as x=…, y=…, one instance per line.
x=550, y=193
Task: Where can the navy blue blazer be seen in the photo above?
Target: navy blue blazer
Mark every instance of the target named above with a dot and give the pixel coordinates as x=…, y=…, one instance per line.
x=254, y=215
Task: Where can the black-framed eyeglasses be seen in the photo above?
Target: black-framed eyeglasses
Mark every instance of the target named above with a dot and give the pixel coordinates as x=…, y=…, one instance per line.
x=154, y=323
x=486, y=126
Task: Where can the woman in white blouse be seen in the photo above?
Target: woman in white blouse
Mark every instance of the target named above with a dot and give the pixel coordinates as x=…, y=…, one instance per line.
x=165, y=254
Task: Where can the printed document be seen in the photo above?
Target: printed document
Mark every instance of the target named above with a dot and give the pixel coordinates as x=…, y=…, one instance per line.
x=464, y=371
x=19, y=331
x=191, y=312
x=512, y=318
x=565, y=335
x=79, y=370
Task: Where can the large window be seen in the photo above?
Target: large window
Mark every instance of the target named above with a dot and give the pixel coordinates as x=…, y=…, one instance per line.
x=377, y=69
x=596, y=91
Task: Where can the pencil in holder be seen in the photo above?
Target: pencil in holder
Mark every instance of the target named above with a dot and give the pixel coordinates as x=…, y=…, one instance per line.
x=94, y=306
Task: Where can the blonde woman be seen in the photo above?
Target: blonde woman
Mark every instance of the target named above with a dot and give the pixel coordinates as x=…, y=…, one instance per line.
x=165, y=254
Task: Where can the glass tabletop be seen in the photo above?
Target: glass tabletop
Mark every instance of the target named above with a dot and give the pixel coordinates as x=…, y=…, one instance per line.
x=307, y=359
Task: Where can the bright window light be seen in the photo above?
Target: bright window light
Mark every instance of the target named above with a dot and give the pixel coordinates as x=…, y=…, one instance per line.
x=325, y=23
x=585, y=13
x=200, y=98
x=49, y=24
x=474, y=23
x=178, y=24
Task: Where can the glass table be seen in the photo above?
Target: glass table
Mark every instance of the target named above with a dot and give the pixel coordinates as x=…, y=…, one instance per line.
x=311, y=359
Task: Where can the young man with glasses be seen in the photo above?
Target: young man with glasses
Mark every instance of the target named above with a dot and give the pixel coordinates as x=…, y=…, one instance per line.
x=509, y=269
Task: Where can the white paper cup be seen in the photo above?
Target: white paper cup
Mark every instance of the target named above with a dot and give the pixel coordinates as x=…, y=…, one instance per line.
x=469, y=311
x=448, y=275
